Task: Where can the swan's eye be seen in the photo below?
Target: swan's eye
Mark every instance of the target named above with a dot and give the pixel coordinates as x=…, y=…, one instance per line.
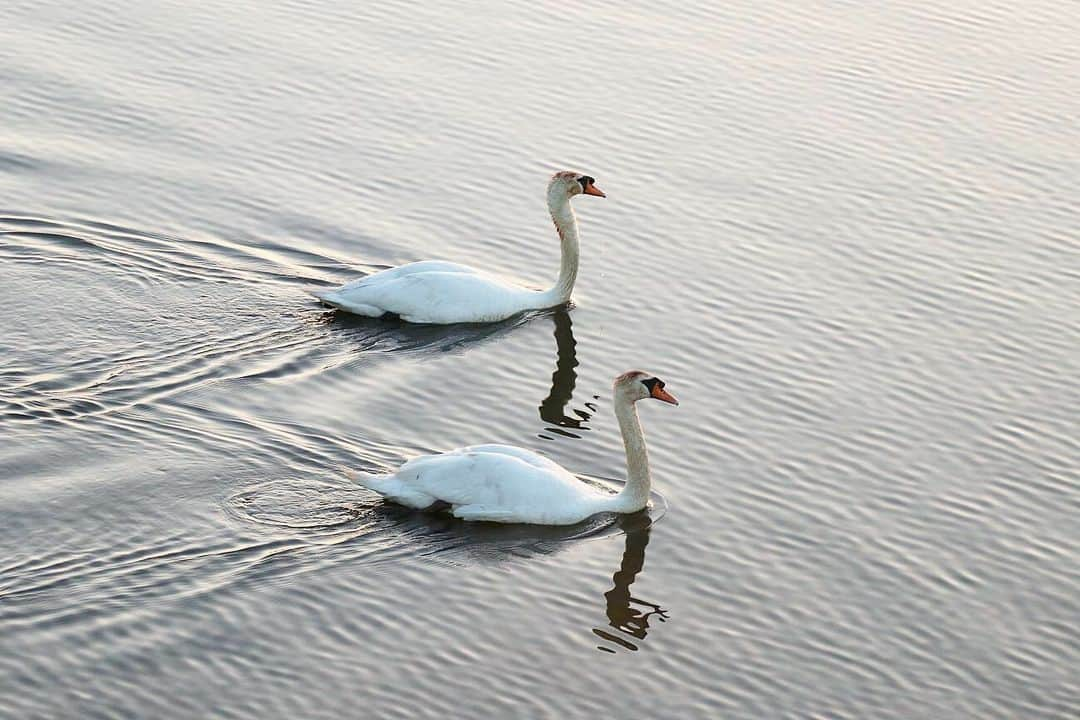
x=653, y=382
x=586, y=181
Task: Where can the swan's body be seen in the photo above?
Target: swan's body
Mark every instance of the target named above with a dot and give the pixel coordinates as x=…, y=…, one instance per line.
x=438, y=292
x=435, y=292
x=502, y=483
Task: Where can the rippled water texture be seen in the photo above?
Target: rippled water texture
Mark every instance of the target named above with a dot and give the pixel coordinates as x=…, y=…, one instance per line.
x=844, y=233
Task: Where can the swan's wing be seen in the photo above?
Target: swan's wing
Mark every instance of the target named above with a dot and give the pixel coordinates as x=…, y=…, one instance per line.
x=493, y=479
x=410, y=269
x=356, y=295
x=433, y=297
x=528, y=456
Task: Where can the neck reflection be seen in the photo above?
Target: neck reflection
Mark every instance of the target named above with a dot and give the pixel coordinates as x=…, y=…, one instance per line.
x=563, y=380
x=627, y=614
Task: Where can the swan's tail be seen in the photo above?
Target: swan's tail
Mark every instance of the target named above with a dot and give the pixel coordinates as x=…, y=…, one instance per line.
x=391, y=488
x=374, y=482
x=382, y=484
x=333, y=299
x=327, y=297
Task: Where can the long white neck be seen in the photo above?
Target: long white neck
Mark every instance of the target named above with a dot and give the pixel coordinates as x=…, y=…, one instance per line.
x=635, y=494
x=565, y=222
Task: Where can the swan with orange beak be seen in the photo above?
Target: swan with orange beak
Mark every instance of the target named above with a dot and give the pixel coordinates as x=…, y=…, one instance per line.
x=507, y=484
x=438, y=292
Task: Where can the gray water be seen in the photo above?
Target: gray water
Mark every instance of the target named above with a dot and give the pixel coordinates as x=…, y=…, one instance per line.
x=844, y=233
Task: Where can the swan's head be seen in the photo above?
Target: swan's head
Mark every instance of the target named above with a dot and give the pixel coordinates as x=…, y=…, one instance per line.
x=637, y=385
x=573, y=183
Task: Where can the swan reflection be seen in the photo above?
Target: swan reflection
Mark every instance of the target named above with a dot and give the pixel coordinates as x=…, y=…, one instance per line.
x=389, y=334
x=563, y=380
x=628, y=615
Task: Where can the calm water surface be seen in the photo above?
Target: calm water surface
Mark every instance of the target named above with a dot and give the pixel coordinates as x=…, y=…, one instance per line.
x=845, y=234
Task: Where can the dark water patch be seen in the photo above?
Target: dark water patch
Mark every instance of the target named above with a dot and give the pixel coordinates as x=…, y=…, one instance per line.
x=392, y=335
x=14, y=162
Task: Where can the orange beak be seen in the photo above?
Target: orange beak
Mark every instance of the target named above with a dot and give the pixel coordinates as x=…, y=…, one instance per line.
x=661, y=394
x=591, y=189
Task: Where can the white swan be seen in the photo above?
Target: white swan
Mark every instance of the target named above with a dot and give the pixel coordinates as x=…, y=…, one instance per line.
x=506, y=484
x=438, y=292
